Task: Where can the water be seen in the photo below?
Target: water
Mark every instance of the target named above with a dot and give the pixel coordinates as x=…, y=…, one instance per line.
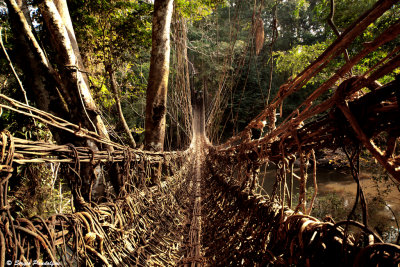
x=336, y=195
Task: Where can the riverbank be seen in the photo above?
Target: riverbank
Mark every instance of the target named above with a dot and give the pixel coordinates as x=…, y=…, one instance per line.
x=337, y=191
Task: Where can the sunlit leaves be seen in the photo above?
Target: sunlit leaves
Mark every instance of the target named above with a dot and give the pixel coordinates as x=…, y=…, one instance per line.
x=196, y=10
x=300, y=5
x=294, y=60
x=117, y=33
x=113, y=29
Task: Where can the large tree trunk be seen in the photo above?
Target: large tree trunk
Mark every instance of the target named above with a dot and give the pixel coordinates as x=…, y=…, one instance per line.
x=63, y=10
x=78, y=88
x=83, y=110
x=156, y=98
x=40, y=79
x=65, y=91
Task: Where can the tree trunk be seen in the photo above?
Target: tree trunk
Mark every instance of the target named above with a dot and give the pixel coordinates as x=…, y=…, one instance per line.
x=40, y=78
x=64, y=92
x=156, y=97
x=63, y=10
x=85, y=110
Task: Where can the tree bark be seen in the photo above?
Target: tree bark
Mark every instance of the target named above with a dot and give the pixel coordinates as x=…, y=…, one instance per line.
x=83, y=109
x=41, y=79
x=65, y=91
x=63, y=10
x=156, y=97
x=78, y=88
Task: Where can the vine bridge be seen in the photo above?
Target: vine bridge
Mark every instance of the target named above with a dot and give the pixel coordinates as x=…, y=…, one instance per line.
x=200, y=206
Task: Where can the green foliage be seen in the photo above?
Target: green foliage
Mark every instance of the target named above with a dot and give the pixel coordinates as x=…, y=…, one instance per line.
x=344, y=15
x=339, y=207
x=24, y=127
x=197, y=10
x=333, y=205
x=293, y=61
x=300, y=5
x=222, y=52
x=116, y=33
x=112, y=30
x=37, y=190
x=303, y=34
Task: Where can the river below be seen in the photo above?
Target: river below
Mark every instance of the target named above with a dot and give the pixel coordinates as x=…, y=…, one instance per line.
x=337, y=192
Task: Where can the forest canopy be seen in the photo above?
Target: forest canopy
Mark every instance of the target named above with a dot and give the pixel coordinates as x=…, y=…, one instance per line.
x=213, y=49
